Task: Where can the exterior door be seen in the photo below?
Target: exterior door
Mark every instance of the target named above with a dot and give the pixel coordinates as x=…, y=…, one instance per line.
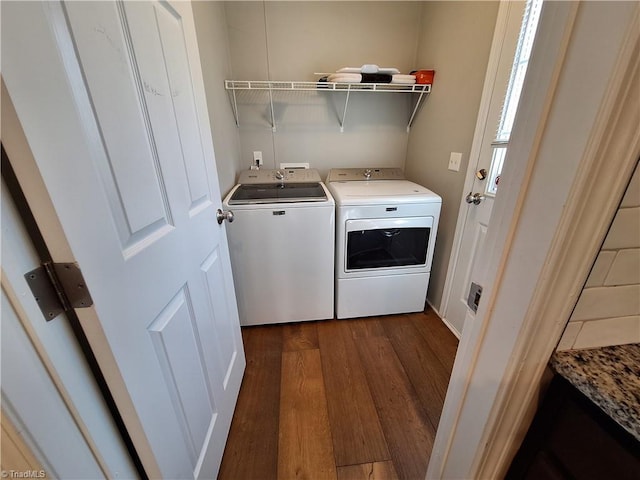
x=480, y=180
x=111, y=100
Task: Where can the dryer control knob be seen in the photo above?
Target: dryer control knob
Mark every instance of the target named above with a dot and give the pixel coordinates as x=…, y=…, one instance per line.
x=279, y=174
x=367, y=173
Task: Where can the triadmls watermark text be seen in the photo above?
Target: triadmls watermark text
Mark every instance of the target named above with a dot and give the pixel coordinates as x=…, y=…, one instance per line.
x=23, y=474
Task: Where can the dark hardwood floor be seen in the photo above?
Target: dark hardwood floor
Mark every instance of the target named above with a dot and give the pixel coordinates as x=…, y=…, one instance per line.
x=340, y=399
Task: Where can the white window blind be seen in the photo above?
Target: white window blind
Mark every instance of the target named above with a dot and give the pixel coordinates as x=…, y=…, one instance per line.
x=514, y=89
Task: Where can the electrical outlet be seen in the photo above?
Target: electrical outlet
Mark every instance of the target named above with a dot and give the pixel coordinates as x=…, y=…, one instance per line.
x=454, y=161
x=257, y=158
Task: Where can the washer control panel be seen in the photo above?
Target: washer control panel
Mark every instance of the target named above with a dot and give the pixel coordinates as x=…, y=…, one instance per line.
x=281, y=175
x=355, y=174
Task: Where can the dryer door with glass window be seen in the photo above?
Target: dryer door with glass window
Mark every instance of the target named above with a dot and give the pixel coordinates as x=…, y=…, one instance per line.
x=387, y=244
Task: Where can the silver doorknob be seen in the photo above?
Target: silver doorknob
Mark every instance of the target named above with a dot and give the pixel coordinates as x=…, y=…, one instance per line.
x=222, y=216
x=474, y=198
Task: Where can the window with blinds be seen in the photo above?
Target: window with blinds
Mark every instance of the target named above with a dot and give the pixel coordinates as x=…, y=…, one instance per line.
x=514, y=89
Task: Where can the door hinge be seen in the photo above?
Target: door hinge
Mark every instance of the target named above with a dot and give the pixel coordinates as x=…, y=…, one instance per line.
x=58, y=287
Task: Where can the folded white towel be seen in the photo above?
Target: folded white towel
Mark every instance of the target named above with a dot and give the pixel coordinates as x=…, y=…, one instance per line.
x=345, y=78
x=349, y=70
x=403, y=79
x=401, y=76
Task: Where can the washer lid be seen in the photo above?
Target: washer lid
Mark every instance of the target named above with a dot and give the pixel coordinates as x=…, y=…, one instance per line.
x=278, y=193
x=381, y=191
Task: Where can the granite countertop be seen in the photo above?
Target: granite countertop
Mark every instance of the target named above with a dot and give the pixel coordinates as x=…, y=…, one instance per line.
x=608, y=376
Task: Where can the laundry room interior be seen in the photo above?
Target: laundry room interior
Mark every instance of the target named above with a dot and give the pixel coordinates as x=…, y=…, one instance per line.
x=283, y=273
x=293, y=41
x=409, y=134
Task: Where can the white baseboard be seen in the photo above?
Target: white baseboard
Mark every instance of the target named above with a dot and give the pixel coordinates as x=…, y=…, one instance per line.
x=444, y=320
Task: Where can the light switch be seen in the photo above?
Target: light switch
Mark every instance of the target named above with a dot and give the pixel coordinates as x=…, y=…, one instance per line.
x=454, y=161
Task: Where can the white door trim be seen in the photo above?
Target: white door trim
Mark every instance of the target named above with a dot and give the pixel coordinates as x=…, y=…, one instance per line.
x=26, y=171
x=606, y=168
x=16, y=452
x=500, y=361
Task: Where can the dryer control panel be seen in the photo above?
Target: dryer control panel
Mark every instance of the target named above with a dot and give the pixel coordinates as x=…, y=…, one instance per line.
x=281, y=175
x=355, y=174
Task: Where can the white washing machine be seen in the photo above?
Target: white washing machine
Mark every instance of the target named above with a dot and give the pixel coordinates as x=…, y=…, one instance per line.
x=386, y=230
x=282, y=242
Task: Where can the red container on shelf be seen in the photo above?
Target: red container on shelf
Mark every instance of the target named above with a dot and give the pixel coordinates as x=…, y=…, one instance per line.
x=424, y=76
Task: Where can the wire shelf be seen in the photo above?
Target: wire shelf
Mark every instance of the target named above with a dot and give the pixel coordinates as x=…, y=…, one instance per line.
x=292, y=86
x=325, y=86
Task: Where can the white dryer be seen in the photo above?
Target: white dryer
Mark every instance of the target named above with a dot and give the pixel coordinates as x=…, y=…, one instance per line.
x=282, y=242
x=385, y=237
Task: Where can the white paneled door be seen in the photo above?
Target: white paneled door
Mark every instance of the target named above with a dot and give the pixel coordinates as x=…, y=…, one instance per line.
x=111, y=99
x=481, y=185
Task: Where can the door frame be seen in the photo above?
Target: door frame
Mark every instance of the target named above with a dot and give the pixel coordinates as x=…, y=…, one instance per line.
x=606, y=168
x=110, y=427
x=504, y=353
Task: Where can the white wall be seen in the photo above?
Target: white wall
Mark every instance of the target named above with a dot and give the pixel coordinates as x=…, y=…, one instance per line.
x=608, y=311
x=291, y=41
x=213, y=44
